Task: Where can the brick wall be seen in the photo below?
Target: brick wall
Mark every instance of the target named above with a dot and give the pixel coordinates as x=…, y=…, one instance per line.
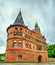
x=27, y=56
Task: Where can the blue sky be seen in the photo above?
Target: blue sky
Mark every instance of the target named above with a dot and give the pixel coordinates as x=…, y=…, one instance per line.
x=41, y=11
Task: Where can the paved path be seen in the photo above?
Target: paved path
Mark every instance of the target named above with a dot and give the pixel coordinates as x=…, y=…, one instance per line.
x=53, y=63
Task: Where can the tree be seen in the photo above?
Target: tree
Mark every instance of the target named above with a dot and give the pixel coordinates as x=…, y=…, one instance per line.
x=51, y=50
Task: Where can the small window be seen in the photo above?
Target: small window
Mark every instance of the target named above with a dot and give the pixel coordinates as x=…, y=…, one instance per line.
x=28, y=31
x=20, y=28
x=14, y=44
x=29, y=46
x=20, y=57
x=26, y=45
x=16, y=33
x=20, y=33
x=25, y=30
x=33, y=47
x=20, y=45
x=16, y=28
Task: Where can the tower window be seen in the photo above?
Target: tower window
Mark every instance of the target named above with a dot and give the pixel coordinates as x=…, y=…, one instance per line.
x=16, y=28
x=29, y=46
x=33, y=47
x=14, y=44
x=20, y=45
x=25, y=30
x=26, y=45
x=20, y=28
x=18, y=33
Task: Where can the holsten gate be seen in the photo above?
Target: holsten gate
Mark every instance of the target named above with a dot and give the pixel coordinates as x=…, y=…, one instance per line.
x=23, y=44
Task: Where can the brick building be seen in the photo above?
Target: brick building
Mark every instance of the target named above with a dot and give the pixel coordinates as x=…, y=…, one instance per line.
x=23, y=44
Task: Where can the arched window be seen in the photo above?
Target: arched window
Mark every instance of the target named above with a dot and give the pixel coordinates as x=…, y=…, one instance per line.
x=33, y=47
x=26, y=45
x=20, y=45
x=29, y=46
x=14, y=44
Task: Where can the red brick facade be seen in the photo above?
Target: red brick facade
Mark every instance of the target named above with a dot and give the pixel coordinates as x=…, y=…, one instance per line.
x=25, y=45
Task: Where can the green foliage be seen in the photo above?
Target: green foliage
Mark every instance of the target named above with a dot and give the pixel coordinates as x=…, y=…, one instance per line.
x=2, y=57
x=2, y=54
x=51, y=50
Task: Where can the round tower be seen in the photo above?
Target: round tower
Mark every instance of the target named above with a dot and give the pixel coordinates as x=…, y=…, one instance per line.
x=14, y=40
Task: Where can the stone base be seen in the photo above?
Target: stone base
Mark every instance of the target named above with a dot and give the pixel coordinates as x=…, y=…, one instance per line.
x=25, y=56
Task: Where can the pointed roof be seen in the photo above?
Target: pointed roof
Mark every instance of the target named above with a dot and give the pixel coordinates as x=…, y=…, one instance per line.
x=36, y=24
x=19, y=20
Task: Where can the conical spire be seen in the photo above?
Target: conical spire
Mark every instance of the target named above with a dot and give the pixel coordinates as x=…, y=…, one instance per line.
x=19, y=20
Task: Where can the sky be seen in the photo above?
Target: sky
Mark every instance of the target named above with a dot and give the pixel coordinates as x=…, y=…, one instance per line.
x=40, y=11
